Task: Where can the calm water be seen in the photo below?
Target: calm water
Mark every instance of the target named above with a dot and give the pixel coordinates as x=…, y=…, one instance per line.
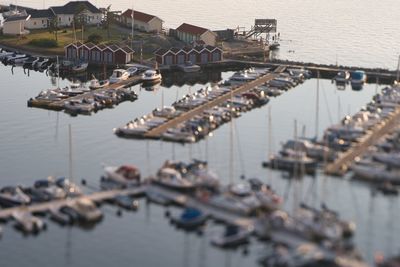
x=350, y=32
x=34, y=142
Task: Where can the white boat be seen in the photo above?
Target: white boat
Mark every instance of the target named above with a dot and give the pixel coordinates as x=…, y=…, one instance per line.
x=125, y=175
x=172, y=179
x=342, y=76
x=119, y=75
x=97, y=84
x=132, y=71
x=189, y=67
x=28, y=223
x=87, y=210
x=80, y=67
x=151, y=76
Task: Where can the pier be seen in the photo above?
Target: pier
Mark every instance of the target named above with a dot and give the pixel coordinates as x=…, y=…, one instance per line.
x=59, y=105
x=341, y=165
x=159, y=130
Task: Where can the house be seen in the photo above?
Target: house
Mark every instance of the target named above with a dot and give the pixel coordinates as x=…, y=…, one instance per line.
x=142, y=21
x=189, y=33
x=200, y=54
x=40, y=18
x=65, y=14
x=15, y=25
x=99, y=54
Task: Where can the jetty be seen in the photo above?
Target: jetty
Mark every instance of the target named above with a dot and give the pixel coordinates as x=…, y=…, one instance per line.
x=341, y=165
x=59, y=105
x=156, y=132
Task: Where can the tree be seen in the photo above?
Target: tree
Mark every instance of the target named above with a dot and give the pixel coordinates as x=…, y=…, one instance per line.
x=53, y=27
x=80, y=16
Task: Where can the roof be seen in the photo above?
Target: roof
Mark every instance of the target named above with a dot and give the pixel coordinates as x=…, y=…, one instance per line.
x=137, y=15
x=188, y=28
x=127, y=49
x=73, y=6
x=40, y=13
x=16, y=18
x=17, y=7
x=161, y=51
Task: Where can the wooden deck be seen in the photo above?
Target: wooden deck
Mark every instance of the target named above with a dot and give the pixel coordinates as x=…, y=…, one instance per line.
x=341, y=165
x=158, y=131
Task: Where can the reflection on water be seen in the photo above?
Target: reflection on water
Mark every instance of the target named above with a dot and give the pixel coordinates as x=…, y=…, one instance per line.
x=34, y=144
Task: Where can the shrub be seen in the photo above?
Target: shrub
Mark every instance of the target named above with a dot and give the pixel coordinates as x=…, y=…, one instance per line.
x=95, y=38
x=44, y=42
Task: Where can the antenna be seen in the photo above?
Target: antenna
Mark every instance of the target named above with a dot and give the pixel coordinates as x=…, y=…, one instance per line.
x=70, y=151
x=317, y=109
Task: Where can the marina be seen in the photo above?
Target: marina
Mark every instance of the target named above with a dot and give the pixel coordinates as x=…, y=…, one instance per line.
x=269, y=116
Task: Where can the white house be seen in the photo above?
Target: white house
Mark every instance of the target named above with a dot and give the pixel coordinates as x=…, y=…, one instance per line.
x=65, y=14
x=40, y=18
x=142, y=21
x=190, y=34
x=15, y=25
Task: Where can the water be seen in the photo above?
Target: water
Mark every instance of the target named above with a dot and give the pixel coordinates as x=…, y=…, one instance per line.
x=34, y=142
x=356, y=32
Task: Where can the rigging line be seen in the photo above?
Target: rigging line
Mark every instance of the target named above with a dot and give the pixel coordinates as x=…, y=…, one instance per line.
x=240, y=151
x=327, y=104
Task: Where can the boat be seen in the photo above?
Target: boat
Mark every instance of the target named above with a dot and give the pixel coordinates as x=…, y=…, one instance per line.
x=342, y=76
x=132, y=71
x=156, y=197
x=172, y=179
x=70, y=188
x=191, y=218
x=28, y=223
x=233, y=236
x=189, y=67
x=13, y=196
x=86, y=210
x=388, y=188
x=296, y=162
x=80, y=106
x=151, y=76
x=125, y=175
x=358, y=78
x=80, y=67
x=126, y=202
x=119, y=75
x=58, y=216
x=98, y=84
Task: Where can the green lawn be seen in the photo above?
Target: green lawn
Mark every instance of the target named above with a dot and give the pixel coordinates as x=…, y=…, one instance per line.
x=65, y=36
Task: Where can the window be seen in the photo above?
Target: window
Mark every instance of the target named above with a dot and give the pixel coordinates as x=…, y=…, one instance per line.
x=69, y=19
x=34, y=23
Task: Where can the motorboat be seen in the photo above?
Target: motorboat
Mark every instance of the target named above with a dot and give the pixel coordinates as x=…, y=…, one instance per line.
x=179, y=135
x=70, y=188
x=189, y=67
x=151, y=76
x=50, y=188
x=125, y=202
x=172, y=179
x=13, y=196
x=166, y=112
x=296, y=162
x=28, y=223
x=391, y=159
x=58, y=216
x=119, y=75
x=232, y=237
x=376, y=172
x=313, y=150
x=80, y=67
x=358, y=78
x=80, y=106
x=342, y=76
x=74, y=89
x=191, y=218
x=125, y=175
x=87, y=210
x=98, y=84
x=132, y=71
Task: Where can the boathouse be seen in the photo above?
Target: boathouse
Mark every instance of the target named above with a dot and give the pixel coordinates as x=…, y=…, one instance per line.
x=190, y=33
x=99, y=54
x=142, y=21
x=196, y=55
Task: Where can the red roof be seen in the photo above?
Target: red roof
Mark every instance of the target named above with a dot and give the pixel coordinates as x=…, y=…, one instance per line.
x=188, y=28
x=137, y=15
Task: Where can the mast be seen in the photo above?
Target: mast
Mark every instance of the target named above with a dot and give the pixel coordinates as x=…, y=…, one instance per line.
x=231, y=144
x=317, y=109
x=70, y=151
x=133, y=23
x=398, y=70
x=58, y=73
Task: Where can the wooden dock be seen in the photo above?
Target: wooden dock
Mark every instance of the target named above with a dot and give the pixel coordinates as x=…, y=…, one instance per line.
x=159, y=130
x=341, y=165
x=96, y=197
x=59, y=105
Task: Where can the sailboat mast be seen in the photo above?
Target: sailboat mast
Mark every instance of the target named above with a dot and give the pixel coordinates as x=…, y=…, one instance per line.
x=133, y=23
x=317, y=109
x=70, y=151
x=398, y=70
x=231, y=145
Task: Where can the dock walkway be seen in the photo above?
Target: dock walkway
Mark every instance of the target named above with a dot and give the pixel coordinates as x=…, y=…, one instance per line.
x=96, y=197
x=159, y=130
x=341, y=164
